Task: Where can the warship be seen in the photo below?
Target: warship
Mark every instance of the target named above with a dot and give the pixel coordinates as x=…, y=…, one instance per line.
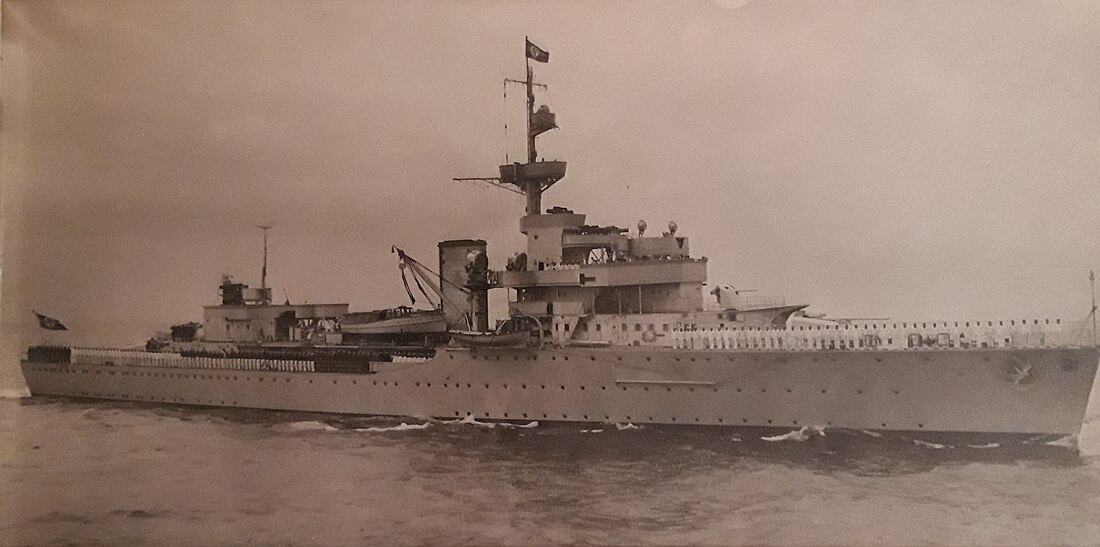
x=604, y=324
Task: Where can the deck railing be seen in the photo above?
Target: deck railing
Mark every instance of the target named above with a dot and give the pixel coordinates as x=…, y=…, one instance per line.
x=885, y=336
x=100, y=356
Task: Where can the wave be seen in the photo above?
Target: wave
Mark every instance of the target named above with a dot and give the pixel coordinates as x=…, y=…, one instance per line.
x=470, y=420
x=310, y=426
x=527, y=425
x=927, y=444
x=1069, y=441
x=987, y=445
x=401, y=427
x=17, y=393
x=805, y=433
x=591, y=431
x=626, y=426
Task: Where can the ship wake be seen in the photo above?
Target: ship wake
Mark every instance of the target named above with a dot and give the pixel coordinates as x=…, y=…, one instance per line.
x=399, y=427
x=470, y=420
x=803, y=434
x=9, y=393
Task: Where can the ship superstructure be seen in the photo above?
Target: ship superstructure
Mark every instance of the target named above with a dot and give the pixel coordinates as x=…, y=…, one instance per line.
x=604, y=326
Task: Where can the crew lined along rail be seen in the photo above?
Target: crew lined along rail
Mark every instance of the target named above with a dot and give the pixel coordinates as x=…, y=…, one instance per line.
x=880, y=336
x=98, y=356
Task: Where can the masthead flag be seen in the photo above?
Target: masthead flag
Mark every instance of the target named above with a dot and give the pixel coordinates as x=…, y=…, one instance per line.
x=536, y=53
x=49, y=323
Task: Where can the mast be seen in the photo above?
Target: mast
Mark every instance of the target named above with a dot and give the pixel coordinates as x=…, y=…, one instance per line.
x=1092, y=286
x=263, y=271
x=534, y=177
x=532, y=155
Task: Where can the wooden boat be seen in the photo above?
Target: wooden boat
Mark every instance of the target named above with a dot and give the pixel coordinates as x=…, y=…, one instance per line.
x=394, y=326
x=474, y=339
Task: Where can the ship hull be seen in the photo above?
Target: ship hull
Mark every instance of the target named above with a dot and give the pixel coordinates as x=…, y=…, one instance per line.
x=1040, y=391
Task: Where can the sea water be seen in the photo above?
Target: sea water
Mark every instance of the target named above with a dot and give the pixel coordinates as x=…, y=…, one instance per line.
x=126, y=473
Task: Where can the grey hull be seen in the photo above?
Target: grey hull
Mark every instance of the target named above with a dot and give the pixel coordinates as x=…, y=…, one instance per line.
x=1025, y=391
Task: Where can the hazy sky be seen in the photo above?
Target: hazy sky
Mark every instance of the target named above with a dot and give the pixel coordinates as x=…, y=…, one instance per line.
x=934, y=160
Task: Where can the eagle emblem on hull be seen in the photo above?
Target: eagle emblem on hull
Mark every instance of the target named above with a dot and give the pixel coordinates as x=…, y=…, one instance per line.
x=1019, y=371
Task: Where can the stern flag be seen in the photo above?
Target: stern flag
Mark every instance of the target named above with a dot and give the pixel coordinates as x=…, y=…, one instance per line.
x=48, y=323
x=537, y=54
